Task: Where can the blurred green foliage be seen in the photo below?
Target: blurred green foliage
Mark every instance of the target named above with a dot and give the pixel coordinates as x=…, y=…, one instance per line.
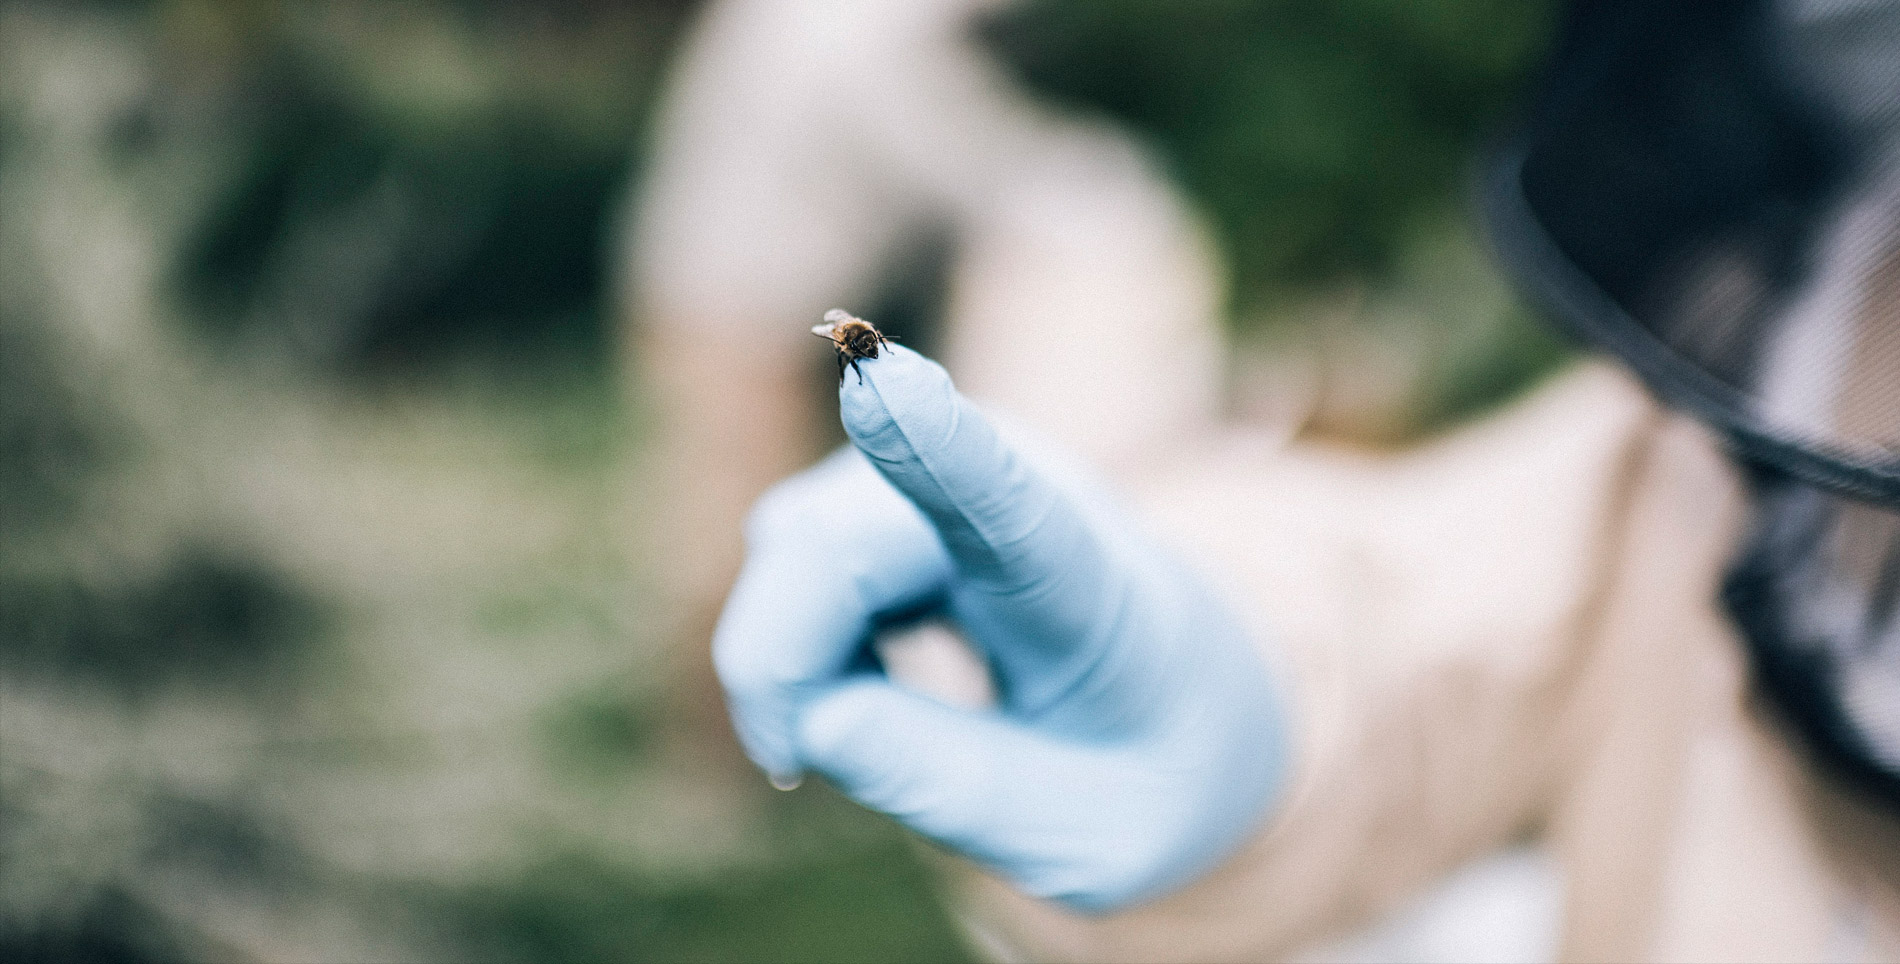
x=111, y=928
x=487, y=239
x=1315, y=134
x=599, y=734
x=869, y=904
x=448, y=199
x=202, y=613
x=207, y=616
x=50, y=445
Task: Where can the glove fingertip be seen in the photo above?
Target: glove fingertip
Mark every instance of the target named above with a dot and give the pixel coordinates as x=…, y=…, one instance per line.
x=835, y=730
x=905, y=402
x=882, y=747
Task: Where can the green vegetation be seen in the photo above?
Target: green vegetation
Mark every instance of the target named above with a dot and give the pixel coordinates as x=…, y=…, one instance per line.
x=871, y=904
x=405, y=190
x=1316, y=134
x=1329, y=144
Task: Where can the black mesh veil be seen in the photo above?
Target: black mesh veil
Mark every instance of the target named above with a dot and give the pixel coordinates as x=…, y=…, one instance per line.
x=1712, y=192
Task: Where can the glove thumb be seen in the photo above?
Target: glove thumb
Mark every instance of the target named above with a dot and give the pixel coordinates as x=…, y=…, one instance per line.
x=1048, y=814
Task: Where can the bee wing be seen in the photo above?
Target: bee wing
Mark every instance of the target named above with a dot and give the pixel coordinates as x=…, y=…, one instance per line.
x=823, y=331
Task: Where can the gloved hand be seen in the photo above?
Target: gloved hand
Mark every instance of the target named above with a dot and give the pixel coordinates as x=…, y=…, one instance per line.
x=1138, y=740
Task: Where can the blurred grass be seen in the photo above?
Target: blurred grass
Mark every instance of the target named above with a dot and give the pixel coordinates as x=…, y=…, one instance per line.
x=48, y=444
x=871, y=904
x=206, y=616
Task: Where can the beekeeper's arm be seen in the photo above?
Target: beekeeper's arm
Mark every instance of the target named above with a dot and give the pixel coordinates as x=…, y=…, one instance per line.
x=1340, y=691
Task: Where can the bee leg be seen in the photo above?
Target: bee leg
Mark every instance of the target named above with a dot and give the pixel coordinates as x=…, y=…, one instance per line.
x=855, y=368
x=840, y=359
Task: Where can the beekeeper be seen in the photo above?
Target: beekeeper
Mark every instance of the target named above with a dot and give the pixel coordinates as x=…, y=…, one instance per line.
x=1650, y=616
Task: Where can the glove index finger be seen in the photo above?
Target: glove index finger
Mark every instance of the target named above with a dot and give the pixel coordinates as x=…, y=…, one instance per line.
x=1005, y=526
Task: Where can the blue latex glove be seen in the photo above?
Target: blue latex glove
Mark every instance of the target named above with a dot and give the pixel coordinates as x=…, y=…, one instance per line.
x=1138, y=739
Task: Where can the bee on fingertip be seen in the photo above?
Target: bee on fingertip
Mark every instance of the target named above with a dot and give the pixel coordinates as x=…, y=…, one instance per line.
x=852, y=337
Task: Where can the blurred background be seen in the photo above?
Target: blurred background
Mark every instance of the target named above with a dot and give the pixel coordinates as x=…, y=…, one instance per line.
x=333, y=620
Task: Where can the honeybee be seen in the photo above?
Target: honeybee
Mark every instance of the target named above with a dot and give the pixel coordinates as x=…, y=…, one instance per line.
x=853, y=337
